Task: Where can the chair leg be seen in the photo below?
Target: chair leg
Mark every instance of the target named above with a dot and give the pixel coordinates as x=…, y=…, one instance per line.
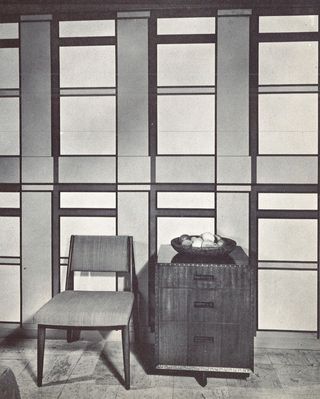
x=136, y=313
x=73, y=334
x=126, y=355
x=40, y=355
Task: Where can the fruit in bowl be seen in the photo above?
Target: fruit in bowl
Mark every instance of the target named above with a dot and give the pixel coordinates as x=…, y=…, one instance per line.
x=197, y=243
x=209, y=244
x=184, y=237
x=186, y=243
x=207, y=236
x=206, y=244
x=204, y=240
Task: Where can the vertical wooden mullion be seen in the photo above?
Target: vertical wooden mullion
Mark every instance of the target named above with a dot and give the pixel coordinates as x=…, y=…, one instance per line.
x=318, y=249
x=20, y=180
x=253, y=152
x=55, y=124
x=253, y=245
x=152, y=153
x=253, y=96
x=215, y=132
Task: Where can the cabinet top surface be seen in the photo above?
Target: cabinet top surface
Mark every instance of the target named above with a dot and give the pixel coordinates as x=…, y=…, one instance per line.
x=167, y=255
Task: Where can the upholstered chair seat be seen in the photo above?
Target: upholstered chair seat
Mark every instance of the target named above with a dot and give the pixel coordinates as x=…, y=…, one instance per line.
x=87, y=309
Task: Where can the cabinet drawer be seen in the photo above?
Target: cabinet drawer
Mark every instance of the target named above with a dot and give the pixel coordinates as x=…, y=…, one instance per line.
x=220, y=305
x=215, y=345
x=173, y=304
x=203, y=276
x=172, y=343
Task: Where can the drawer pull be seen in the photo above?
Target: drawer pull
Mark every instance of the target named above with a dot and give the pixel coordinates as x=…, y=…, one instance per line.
x=201, y=339
x=198, y=304
x=203, y=277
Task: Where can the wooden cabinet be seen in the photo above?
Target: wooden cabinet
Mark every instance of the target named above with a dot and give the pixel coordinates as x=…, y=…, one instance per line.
x=204, y=312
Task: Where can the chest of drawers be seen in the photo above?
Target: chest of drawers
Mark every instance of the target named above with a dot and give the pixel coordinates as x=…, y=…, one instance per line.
x=204, y=313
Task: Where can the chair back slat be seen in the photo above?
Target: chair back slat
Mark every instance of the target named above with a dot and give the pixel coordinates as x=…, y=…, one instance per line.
x=100, y=254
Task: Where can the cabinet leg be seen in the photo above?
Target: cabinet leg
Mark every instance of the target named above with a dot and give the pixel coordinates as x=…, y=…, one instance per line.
x=201, y=378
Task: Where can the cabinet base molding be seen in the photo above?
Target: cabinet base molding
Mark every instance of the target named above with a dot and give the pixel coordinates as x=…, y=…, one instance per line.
x=203, y=368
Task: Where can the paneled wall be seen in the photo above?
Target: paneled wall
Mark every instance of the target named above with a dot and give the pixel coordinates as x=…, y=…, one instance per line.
x=155, y=124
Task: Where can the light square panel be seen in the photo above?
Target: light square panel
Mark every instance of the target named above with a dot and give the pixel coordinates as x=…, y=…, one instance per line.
x=295, y=201
x=84, y=226
x=188, y=26
x=9, y=236
x=9, y=68
x=87, y=200
x=287, y=239
x=9, y=30
x=288, y=63
x=186, y=124
x=287, y=300
x=185, y=200
x=188, y=169
x=89, y=28
x=87, y=66
x=9, y=126
x=88, y=125
x=186, y=64
x=10, y=293
x=91, y=281
x=288, y=23
x=9, y=200
x=288, y=123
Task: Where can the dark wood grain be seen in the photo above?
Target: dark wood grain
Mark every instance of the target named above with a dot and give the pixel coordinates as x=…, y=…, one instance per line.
x=172, y=343
x=204, y=344
x=173, y=304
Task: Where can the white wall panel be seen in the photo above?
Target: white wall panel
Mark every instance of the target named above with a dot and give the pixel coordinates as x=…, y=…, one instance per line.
x=287, y=239
x=87, y=169
x=9, y=293
x=287, y=300
x=186, y=124
x=87, y=200
x=186, y=64
x=87, y=28
x=87, y=66
x=185, y=169
x=9, y=68
x=9, y=30
x=288, y=63
x=295, y=201
x=288, y=123
x=190, y=25
x=9, y=200
x=9, y=128
x=288, y=23
x=84, y=226
x=287, y=170
x=182, y=200
x=36, y=256
x=9, y=236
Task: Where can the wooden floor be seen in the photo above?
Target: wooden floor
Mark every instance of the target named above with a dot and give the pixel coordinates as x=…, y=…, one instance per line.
x=94, y=370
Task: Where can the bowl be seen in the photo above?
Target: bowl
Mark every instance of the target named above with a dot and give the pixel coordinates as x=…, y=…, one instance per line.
x=227, y=247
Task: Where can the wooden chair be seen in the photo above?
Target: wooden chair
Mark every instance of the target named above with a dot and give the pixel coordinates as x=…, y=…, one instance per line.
x=93, y=310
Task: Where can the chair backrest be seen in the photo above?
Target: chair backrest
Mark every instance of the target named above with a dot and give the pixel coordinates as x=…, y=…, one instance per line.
x=100, y=254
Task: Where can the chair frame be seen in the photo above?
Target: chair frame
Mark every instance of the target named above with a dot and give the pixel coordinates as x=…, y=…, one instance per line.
x=73, y=333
